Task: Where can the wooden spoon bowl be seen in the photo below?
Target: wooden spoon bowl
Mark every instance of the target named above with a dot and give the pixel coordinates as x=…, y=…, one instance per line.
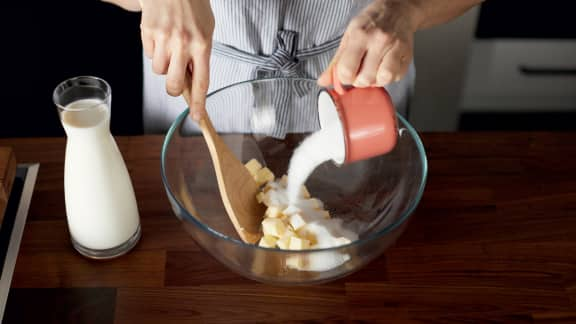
x=237, y=186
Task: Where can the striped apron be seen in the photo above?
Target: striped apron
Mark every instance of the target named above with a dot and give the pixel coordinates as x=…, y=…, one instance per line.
x=256, y=39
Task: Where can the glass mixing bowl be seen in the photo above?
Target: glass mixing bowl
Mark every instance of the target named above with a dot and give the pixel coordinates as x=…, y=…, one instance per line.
x=266, y=120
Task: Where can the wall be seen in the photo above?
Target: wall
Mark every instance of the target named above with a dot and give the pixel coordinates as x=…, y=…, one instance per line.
x=46, y=42
x=441, y=55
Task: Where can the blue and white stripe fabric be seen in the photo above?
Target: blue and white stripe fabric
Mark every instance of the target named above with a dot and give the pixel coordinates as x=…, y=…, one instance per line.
x=284, y=61
x=255, y=39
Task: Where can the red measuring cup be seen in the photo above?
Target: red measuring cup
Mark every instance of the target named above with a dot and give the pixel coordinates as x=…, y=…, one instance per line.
x=368, y=119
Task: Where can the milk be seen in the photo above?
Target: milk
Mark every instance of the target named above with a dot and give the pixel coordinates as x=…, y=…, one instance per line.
x=100, y=203
x=324, y=145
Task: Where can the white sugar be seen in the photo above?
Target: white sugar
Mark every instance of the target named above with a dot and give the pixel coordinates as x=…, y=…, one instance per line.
x=321, y=146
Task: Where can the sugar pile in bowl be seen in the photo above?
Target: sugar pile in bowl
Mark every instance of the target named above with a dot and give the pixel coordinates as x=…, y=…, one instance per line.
x=298, y=224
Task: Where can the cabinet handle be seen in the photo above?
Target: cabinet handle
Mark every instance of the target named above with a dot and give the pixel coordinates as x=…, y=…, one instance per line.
x=547, y=71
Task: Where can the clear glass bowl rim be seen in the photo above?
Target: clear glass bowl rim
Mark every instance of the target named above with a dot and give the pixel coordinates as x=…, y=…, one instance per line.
x=189, y=217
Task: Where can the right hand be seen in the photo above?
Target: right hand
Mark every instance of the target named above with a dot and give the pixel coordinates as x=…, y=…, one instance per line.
x=177, y=36
x=377, y=46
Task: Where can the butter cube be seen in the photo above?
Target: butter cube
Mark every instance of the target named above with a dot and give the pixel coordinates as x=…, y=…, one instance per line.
x=296, y=262
x=262, y=198
x=271, y=186
x=273, y=227
x=297, y=221
x=253, y=167
x=276, y=202
x=297, y=243
x=306, y=234
x=316, y=203
x=264, y=175
x=284, y=241
x=284, y=181
x=290, y=210
x=305, y=193
x=284, y=218
x=268, y=241
x=273, y=212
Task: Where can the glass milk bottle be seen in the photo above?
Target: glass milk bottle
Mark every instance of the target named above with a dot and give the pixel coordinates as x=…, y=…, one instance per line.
x=100, y=204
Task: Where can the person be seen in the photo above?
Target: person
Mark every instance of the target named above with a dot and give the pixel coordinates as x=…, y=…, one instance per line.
x=220, y=42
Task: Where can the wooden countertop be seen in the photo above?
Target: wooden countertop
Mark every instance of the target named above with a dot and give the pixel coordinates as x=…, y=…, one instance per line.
x=7, y=173
x=493, y=240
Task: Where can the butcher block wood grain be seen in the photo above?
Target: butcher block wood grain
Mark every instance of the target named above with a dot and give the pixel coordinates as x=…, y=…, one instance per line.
x=492, y=241
x=7, y=173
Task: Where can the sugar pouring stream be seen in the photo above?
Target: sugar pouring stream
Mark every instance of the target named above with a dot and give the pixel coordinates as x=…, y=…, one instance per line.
x=238, y=188
x=355, y=124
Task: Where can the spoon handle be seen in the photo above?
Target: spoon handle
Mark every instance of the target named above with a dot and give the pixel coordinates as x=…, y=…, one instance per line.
x=213, y=140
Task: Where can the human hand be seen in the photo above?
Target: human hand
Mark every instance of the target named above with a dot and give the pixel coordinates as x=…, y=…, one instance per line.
x=130, y=5
x=377, y=47
x=177, y=36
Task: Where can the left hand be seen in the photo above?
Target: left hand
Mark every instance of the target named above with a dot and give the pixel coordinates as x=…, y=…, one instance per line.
x=177, y=37
x=377, y=47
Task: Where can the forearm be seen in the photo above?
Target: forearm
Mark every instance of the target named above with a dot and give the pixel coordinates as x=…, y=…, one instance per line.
x=130, y=5
x=435, y=12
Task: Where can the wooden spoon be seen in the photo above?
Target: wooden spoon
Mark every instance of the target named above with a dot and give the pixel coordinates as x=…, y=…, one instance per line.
x=237, y=186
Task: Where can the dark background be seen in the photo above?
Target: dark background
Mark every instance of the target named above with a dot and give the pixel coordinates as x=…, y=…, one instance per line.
x=527, y=19
x=46, y=42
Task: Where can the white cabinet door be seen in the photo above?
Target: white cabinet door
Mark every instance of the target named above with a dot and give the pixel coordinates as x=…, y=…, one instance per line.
x=513, y=75
x=441, y=57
